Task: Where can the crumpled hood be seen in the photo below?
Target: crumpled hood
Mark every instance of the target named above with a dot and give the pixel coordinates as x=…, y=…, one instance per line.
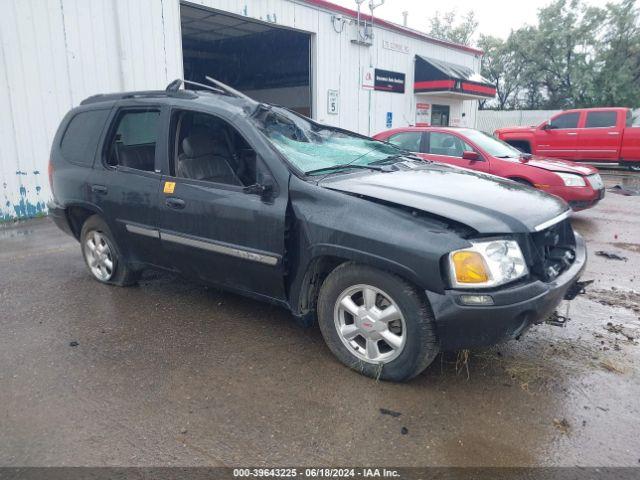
x=486, y=203
x=557, y=165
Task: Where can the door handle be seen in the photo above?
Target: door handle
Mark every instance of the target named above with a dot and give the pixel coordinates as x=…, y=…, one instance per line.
x=613, y=133
x=571, y=133
x=177, y=203
x=99, y=189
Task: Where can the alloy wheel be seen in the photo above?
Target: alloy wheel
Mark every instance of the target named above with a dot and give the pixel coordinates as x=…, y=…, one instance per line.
x=98, y=255
x=370, y=324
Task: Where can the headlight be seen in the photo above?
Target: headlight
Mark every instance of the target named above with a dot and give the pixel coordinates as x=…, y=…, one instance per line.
x=571, y=180
x=487, y=264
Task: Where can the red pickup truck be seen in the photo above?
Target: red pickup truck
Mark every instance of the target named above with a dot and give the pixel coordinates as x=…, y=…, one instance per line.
x=589, y=134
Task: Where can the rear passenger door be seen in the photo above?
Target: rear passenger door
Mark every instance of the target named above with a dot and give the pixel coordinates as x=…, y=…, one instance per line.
x=599, y=139
x=125, y=183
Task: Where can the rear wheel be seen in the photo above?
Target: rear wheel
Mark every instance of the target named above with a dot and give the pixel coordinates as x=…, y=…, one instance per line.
x=101, y=254
x=633, y=166
x=376, y=323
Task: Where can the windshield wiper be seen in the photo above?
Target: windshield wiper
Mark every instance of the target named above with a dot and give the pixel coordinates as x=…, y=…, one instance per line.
x=344, y=166
x=393, y=158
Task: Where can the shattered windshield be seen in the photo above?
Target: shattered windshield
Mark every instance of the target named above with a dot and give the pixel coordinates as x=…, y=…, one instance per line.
x=310, y=146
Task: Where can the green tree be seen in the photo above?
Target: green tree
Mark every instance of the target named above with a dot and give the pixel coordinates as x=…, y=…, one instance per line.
x=503, y=66
x=562, y=50
x=617, y=81
x=446, y=26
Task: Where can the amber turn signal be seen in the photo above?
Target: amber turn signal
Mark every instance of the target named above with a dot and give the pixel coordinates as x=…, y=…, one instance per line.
x=469, y=267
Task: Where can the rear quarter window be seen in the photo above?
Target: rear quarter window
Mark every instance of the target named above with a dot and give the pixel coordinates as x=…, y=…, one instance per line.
x=81, y=137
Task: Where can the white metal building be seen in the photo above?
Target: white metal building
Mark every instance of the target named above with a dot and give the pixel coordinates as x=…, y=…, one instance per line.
x=365, y=75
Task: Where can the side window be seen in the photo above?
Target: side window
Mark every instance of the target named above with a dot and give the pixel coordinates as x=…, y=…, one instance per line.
x=601, y=119
x=441, y=143
x=567, y=120
x=81, y=137
x=208, y=148
x=133, y=143
x=407, y=140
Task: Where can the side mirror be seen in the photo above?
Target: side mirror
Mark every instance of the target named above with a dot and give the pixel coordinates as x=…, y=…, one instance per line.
x=471, y=156
x=264, y=187
x=548, y=126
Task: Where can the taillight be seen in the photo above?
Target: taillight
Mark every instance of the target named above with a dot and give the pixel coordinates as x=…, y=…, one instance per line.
x=50, y=171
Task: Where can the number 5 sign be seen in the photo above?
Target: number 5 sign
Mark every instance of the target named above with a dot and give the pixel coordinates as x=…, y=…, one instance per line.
x=333, y=102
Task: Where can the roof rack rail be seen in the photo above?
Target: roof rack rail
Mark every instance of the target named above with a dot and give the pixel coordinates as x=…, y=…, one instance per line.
x=230, y=90
x=105, y=97
x=208, y=87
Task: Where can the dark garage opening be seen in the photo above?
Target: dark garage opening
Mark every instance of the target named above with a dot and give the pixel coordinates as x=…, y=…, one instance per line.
x=270, y=64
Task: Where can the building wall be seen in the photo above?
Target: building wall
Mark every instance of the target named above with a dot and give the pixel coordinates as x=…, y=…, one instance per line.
x=54, y=53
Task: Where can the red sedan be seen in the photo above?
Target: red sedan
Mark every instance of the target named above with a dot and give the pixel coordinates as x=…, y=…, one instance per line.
x=580, y=185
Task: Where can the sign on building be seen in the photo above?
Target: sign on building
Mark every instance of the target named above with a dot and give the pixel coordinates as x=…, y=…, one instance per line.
x=333, y=102
x=388, y=81
x=368, y=78
x=423, y=114
x=395, y=46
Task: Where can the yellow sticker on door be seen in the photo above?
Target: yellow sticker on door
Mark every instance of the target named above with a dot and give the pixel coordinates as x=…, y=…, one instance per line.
x=169, y=187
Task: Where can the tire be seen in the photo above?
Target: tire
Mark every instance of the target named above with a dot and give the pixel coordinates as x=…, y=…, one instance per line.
x=634, y=166
x=415, y=326
x=524, y=147
x=104, y=261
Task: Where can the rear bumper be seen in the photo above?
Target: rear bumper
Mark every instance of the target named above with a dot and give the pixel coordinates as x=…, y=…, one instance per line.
x=59, y=216
x=515, y=309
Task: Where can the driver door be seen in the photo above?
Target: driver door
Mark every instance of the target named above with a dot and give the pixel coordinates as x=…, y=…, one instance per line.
x=211, y=226
x=561, y=140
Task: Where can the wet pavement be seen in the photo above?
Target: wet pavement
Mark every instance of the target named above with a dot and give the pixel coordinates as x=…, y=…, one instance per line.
x=174, y=373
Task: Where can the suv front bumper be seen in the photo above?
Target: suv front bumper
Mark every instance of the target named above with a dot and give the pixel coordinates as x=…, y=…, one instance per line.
x=514, y=310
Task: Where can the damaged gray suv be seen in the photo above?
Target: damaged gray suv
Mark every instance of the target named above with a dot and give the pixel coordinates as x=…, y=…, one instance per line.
x=396, y=258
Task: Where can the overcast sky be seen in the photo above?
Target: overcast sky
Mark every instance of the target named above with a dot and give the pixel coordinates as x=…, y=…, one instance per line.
x=495, y=17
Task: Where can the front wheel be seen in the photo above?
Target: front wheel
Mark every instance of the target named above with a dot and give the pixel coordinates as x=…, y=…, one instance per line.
x=376, y=323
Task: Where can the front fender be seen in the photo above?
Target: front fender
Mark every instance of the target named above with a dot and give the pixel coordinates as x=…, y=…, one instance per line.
x=328, y=227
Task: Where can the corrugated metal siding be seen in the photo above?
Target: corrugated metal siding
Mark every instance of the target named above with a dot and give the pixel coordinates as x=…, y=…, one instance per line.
x=54, y=53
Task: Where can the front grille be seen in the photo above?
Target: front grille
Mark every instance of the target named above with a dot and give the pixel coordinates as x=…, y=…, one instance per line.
x=552, y=251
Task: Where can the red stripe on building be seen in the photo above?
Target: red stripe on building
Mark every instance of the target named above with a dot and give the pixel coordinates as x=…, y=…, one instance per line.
x=484, y=90
x=433, y=84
